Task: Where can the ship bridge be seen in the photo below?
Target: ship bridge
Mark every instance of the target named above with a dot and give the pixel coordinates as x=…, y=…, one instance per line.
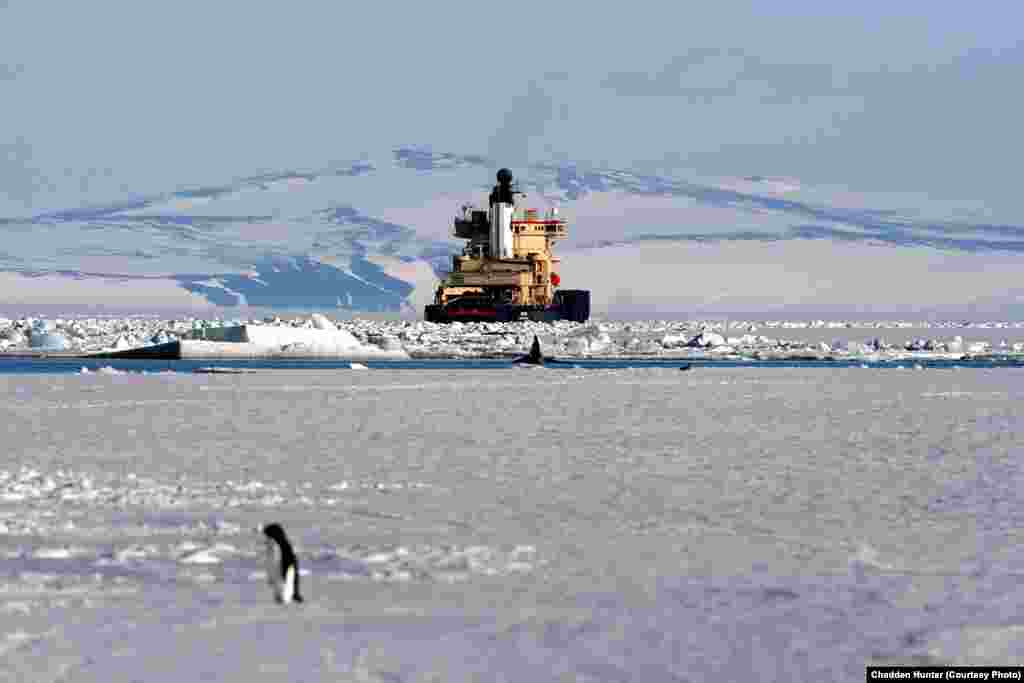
x=532, y=230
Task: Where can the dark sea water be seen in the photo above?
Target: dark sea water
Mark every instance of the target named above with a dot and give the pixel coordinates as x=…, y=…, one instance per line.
x=74, y=365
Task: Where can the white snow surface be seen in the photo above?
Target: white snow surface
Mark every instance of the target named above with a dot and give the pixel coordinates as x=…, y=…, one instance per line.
x=607, y=525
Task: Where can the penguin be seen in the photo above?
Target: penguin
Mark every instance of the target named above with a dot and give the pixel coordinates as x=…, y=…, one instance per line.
x=282, y=565
x=535, y=357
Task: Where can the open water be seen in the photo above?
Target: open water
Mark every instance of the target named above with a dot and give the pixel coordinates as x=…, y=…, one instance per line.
x=33, y=366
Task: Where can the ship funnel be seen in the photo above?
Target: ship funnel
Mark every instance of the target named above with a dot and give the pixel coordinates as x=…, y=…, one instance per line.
x=501, y=216
x=501, y=230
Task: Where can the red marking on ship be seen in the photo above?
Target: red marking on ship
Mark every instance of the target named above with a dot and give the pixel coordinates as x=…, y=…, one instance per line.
x=481, y=312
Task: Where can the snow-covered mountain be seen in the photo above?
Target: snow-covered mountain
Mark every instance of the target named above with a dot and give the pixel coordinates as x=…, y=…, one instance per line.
x=374, y=234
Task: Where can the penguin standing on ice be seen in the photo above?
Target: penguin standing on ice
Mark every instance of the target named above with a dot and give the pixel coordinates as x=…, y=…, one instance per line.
x=282, y=565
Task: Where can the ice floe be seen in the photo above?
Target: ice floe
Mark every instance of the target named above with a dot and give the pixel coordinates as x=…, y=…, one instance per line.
x=211, y=555
x=318, y=334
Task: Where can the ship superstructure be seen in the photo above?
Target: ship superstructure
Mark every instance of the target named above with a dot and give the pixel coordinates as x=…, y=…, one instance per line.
x=507, y=270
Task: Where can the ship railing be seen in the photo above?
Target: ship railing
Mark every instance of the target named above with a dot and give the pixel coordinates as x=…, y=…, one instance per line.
x=549, y=229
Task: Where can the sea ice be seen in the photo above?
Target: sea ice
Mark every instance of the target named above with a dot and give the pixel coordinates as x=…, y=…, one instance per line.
x=211, y=555
x=605, y=525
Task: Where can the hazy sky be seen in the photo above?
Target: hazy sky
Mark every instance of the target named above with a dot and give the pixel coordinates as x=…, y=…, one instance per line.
x=105, y=99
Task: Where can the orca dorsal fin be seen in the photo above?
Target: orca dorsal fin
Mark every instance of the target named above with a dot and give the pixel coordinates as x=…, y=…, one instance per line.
x=535, y=357
x=535, y=354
